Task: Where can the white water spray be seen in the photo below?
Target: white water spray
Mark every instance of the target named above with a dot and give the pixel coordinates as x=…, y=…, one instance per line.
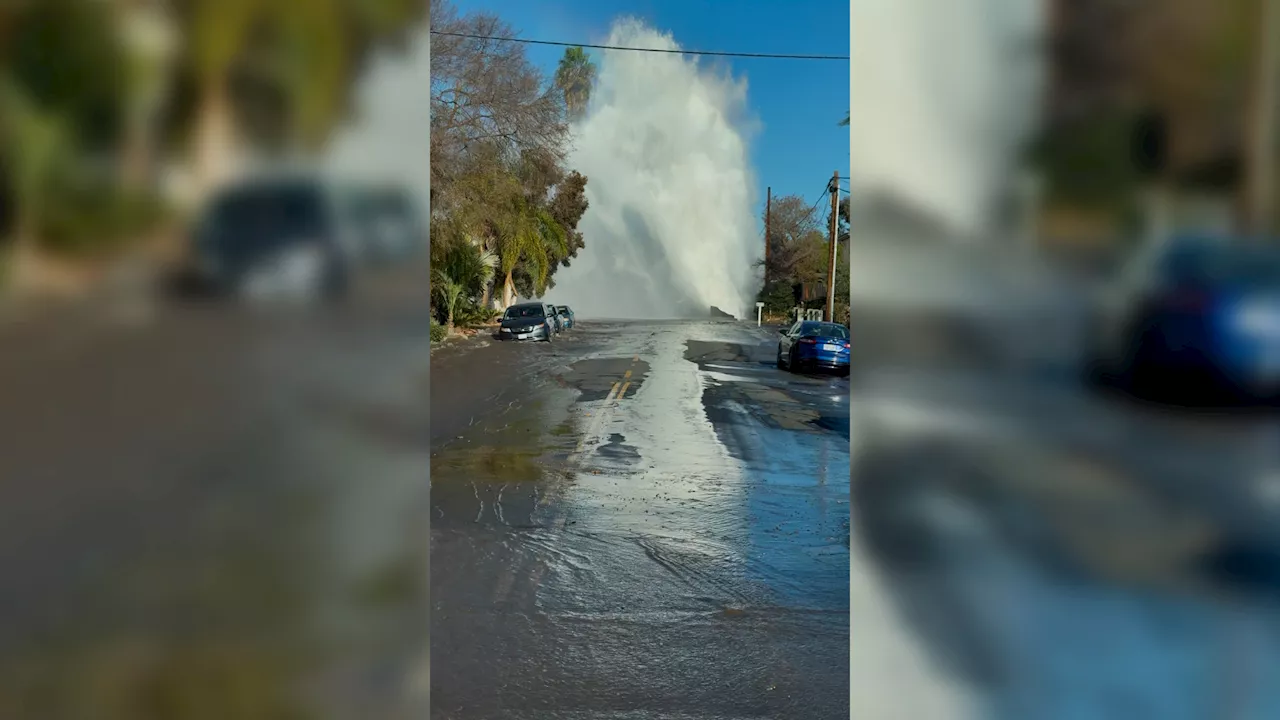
x=671, y=227
x=944, y=94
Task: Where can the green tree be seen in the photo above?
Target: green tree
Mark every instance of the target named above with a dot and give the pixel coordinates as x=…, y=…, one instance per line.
x=308, y=52
x=221, y=36
x=574, y=78
x=449, y=292
x=64, y=57
x=37, y=145
x=567, y=206
x=470, y=266
x=530, y=241
x=498, y=139
x=793, y=225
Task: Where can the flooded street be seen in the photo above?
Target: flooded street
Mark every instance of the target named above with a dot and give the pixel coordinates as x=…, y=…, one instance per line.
x=640, y=520
x=217, y=513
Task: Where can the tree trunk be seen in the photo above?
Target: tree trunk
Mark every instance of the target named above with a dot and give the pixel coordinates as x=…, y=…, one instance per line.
x=487, y=295
x=508, y=291
x=215, y=137
x=448, y=321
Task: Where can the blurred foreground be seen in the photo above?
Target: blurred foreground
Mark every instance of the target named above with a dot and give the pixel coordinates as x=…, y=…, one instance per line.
x=1025, y=546
x=213, y=512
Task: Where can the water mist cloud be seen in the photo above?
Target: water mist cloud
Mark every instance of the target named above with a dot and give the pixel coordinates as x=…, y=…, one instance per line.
x=944, y=94
x=671, y=228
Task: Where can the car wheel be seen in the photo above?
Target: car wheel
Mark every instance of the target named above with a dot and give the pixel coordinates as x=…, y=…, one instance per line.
x=781, y=365
x=791, y=361
x=549, y=333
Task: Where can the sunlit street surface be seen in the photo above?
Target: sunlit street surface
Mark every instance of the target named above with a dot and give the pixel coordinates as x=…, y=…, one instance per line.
x=216, y=512
x=1026, y=548
x=641, y=519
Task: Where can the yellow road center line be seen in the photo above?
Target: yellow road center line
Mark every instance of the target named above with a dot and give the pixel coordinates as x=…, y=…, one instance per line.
x=612, y=392
x=623, y=391
x=626, y=375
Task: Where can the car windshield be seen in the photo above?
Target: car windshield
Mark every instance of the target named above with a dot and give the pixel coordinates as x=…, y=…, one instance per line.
x=525, y=311
x=271, y=211
x=1249, y=265
x=826, y=330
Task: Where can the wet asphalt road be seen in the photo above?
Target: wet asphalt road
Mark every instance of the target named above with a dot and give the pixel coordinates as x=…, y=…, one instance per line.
x=639, y=520
x=207, y=512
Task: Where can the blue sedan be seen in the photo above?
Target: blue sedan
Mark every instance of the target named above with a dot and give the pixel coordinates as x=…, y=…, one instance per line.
x=814, y=345
x=1194, y=314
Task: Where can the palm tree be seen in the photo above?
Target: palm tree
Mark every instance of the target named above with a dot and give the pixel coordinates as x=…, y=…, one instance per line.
x=530, y=238
x=311, y=56
x=470, y=265
x=574, y=77
x=148, y=35
x=218, y=30
x=449, y=292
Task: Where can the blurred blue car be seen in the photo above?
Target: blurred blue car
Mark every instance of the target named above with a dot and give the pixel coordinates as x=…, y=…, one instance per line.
x=567, y=319
x=1194, y=314
x=809, y=345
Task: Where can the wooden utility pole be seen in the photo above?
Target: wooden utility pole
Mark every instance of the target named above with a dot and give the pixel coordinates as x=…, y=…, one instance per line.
x=829, y=312
x=1261, y=156
x=768, y=208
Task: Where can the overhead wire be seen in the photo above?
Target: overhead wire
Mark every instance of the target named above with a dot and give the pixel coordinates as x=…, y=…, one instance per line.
x=712, y=53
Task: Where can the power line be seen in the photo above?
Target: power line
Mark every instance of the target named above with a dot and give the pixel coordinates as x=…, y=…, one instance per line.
x=826, y=190
x=773, y=56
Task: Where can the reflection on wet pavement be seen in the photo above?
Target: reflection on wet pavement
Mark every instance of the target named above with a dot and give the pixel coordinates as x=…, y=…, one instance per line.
x=680, y=543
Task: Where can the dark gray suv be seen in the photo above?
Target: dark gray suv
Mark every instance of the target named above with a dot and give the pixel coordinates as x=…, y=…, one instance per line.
x=528, y=321
x=274, y=237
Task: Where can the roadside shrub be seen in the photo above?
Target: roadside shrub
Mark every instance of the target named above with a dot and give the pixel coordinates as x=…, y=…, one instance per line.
x=438, y=332
x=97, y=216
x=778, y=298
x=470, y=314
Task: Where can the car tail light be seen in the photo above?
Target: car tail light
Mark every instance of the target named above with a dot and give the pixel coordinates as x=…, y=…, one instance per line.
x=809, y=341
x=846, y=346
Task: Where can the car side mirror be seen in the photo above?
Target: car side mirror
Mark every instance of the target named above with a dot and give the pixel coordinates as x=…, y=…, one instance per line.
x=783, y=331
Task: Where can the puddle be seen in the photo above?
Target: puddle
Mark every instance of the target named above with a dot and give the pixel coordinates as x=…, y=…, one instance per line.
x=703, y=352
x=617, y=450
x=598, y=379
x=504, y=473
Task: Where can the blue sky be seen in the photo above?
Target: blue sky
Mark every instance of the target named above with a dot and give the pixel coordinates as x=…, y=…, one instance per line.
x=797, y=102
